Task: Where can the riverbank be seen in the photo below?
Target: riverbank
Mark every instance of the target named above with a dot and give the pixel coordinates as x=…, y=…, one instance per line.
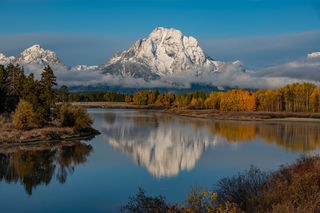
x=291, y=188
x=209, y=113
x=116, y=105
x=257, y=116
x=8, y=134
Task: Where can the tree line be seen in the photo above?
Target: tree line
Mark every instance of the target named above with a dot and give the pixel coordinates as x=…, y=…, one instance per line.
x=30, y=103
x=43, y=95
x=295, y=97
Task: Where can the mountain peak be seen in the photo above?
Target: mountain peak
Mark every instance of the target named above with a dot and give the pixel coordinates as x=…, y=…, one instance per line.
x=314, y=55
x=35, y=47
x=161, y=31
x=5, y=60
x=165, y=52
x=36, y=55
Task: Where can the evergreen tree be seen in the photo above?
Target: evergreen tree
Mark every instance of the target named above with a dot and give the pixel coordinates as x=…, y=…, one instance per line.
x=2, y=88
x=31, y=91
x=13, y=82
x=48, y=95
x=63, y=94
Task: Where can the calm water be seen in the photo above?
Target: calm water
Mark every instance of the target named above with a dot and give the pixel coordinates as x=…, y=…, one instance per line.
x=164, y=154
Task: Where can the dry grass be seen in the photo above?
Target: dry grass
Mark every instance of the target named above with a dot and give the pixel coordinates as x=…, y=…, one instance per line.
x=116, y=105
x=207, y=113
x=8, y=134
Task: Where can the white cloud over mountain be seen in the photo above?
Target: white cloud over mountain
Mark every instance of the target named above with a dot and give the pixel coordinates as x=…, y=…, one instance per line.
x=167, y=58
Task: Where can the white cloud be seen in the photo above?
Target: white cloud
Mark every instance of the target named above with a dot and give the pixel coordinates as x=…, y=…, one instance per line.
x=232, y=76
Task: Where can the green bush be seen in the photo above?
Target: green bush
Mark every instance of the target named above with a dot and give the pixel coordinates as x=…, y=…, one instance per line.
x=82, y=119
x=2, y=119
x=75, y=117
x=142, y=203
x=66, y=116
x=24, y=116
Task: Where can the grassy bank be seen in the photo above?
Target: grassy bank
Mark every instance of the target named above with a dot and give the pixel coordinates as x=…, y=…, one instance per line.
x=214, y=114
x=116, y=105
x=209, y=113
x=9, y=134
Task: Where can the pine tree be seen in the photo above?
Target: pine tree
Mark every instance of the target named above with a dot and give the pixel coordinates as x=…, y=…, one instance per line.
x=2, y=88
x=13, y=82
x=48, y=95
x=63, y=94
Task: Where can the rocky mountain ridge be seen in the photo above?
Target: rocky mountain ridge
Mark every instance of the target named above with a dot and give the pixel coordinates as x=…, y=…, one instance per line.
x=166, y=52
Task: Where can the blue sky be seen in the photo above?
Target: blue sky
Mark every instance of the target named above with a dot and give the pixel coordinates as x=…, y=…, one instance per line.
x=92, y=30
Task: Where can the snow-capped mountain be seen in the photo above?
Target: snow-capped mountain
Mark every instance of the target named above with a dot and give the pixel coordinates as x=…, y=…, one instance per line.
x=36, y=55
x=166, y=52
x=5, y=60
x=84, y=68
x=314, y=55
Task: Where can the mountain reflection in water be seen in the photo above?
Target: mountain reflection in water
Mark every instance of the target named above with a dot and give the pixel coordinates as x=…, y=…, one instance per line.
x=167, y=144
x=34, y=165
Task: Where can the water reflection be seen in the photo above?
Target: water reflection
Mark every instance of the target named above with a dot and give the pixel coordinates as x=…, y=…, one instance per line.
x=37, y=165
x=167, y=144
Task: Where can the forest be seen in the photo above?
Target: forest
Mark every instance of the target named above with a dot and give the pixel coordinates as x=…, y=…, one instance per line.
x=27, y=103
x=41, y=97
x=295, y=97
x=291, y=98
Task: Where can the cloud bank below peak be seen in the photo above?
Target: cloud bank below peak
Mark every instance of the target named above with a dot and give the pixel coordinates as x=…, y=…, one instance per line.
x=296, y=66
x=255, y=52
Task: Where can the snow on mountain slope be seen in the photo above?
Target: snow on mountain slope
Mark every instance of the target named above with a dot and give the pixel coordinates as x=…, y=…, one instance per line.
x=314, y=55
x=84, y=68
x=166, y=52
x=5, y=60
x=36, y=55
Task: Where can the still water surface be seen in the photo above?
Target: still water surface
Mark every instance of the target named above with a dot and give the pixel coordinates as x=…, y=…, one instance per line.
x=164, y=154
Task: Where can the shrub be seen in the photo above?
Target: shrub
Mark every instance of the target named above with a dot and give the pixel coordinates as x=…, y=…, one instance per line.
x=294, y=188
x=242, y=188
x=82, y=119
x=75, y=117
x=2, y=119
x=66, y=115
x=142, y=203
x=24, y=116
x=203, y=200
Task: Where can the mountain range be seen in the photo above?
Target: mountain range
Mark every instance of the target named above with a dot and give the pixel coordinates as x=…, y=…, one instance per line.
x=165, y=53
x=166, y=57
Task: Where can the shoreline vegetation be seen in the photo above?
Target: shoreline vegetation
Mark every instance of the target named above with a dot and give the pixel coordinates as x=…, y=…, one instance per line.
x=291, y=188
x=209, y=113
x=29, y=113
x=116, y=105
x=11, y=135
x=34, y=110
x=247, y=116
x=294, y=102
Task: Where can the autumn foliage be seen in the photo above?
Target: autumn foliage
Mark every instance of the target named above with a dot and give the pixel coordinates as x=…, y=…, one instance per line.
x=294, y=188
x=291, y=98
x=24, y=116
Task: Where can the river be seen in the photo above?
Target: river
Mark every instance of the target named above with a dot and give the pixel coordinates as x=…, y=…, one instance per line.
x=162, y=153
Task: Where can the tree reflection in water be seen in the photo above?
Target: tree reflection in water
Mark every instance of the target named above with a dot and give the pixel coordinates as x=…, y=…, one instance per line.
x=167, y=144
x=36, y=167
x=293, y=136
